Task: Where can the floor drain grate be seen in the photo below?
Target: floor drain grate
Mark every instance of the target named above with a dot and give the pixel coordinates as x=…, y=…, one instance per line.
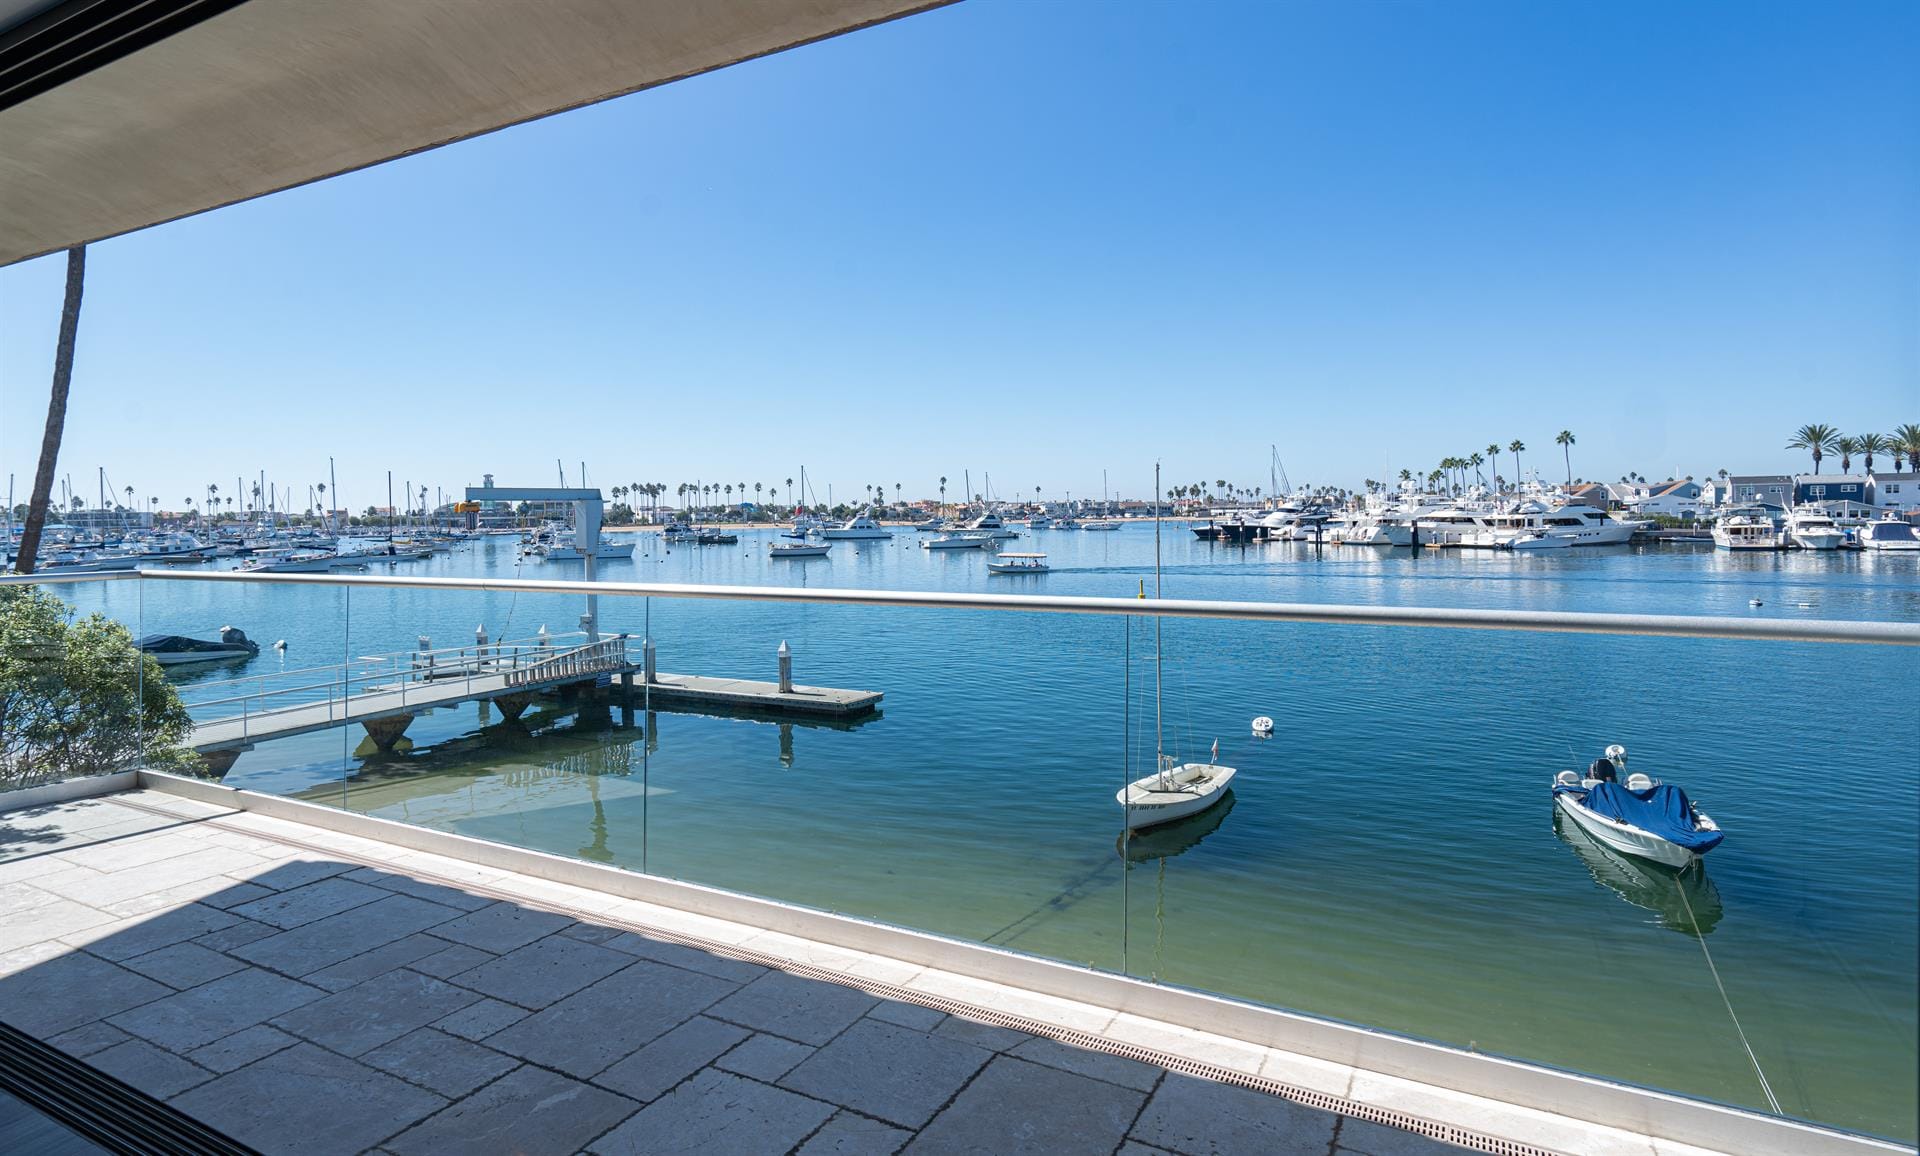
x=1446, y=1133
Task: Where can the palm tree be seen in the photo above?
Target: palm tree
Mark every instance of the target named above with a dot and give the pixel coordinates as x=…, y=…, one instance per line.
x=1817, y=439
x=1516, y=445
x=1871, y=444
x=213, y=498
x=1906, y=442
x=1565, y=439
x=1846, y=447
x=943, y=494
x=56, y=412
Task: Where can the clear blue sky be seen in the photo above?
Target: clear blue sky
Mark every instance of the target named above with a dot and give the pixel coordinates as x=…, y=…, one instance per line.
x=1043, y=239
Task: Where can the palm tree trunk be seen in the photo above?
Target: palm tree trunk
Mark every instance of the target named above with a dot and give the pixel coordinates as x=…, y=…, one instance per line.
x=56, y=412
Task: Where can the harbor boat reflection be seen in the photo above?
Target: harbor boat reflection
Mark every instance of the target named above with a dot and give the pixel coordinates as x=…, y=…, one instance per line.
x=1176, y=838
x=1685, y=901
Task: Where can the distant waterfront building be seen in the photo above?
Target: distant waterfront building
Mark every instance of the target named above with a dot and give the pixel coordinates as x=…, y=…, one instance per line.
x=1675, y=499
x=119, y=518
x=1897, y=492
x=1772, y=489
x=1592, y=494
x=1830, y=488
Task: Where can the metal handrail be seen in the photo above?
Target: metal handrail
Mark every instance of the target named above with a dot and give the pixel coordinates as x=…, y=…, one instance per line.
x=527, y=665
x=398, y=661
x=1566, y=622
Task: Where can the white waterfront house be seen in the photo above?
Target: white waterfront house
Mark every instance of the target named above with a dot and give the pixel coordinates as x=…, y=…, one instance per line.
x=1674, y=499
x=1897, y=492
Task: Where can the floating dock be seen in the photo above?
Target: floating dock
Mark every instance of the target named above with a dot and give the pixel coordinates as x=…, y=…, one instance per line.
x=682, y=691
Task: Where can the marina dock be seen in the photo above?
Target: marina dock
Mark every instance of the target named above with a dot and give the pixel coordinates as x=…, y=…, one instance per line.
x=384, y=693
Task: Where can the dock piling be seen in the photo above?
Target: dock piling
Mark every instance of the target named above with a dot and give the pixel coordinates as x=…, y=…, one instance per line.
x=786, y=668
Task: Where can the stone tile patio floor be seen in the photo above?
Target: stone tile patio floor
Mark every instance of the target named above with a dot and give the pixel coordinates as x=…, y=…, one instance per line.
x=306, y=1002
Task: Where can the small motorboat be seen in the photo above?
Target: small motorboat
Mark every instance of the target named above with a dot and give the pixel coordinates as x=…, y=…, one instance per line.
x=1174, y=793
x=179, y=650
x=1638, y=816
x=798, y=549
x=1019, y=564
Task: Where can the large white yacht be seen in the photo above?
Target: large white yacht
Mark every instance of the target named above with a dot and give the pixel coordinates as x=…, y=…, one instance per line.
x=1473, y=525
x=859, y=526
x=1810, y=528
x=1748, y=528
x=989, y=523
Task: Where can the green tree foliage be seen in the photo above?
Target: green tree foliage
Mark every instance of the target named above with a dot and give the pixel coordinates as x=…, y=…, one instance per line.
x=77, y=698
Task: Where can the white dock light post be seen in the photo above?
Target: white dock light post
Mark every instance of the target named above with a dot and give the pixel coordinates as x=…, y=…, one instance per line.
x=542, y=639
x=426, y=646
x=480, y=639
x=786, y=668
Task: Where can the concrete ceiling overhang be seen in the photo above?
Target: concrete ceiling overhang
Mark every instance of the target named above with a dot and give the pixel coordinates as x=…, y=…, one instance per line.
x=269, y=94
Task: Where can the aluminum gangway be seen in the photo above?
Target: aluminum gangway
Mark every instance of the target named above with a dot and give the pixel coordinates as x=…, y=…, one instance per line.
x=384, y=691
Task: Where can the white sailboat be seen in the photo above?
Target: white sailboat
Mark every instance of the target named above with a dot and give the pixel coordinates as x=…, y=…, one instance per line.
x=1173, y=791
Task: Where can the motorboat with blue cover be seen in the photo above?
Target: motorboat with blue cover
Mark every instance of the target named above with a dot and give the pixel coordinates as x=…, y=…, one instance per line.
x=179, y=650
x=1637, y=816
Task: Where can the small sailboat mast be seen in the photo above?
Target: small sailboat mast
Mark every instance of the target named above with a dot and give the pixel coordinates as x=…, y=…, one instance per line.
x=1159, y=746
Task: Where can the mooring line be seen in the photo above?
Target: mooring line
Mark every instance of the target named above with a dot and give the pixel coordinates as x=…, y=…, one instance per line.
x=1715, y=971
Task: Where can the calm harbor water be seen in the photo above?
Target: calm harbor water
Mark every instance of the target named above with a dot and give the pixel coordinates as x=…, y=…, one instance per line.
x=1389, y=857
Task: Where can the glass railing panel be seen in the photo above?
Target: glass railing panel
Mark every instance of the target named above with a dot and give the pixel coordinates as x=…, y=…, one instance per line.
x=1388, y=856
x=1392, y=856
x=71, y=682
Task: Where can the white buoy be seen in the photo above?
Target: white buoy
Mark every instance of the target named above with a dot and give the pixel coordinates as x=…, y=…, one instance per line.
x=280, y=645
x=1755, y=602
x=1263, y=725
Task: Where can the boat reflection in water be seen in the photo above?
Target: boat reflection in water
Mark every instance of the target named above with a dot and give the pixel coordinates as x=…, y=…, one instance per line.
x=1175, y=838
x=1685, y=901
x=1154, y=847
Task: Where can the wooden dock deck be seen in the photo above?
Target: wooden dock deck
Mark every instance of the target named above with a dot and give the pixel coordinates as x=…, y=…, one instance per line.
x=675, y=691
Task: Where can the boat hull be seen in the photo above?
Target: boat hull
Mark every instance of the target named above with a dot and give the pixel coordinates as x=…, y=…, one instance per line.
x=1818, y=539
x=1624, y=837
x=1147, y=806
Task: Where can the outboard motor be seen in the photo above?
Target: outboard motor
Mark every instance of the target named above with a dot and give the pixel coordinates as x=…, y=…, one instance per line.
x=1618, y=755
x=233, y=636
x=1601, y=771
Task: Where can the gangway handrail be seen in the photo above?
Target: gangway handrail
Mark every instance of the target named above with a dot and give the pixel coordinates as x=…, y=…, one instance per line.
x=1334, y=614
x=529, y=668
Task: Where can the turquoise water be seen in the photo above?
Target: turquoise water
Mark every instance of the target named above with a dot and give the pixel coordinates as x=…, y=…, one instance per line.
x=1389, y=857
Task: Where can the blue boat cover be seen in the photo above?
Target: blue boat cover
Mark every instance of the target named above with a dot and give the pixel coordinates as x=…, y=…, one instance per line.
x=1664, y=811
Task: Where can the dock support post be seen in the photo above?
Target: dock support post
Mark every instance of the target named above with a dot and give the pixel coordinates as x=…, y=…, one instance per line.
x=218, y=763
x=512, y=706
x=646, y=661
x=786, y=668
x=387, y=731
x=626, y=699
